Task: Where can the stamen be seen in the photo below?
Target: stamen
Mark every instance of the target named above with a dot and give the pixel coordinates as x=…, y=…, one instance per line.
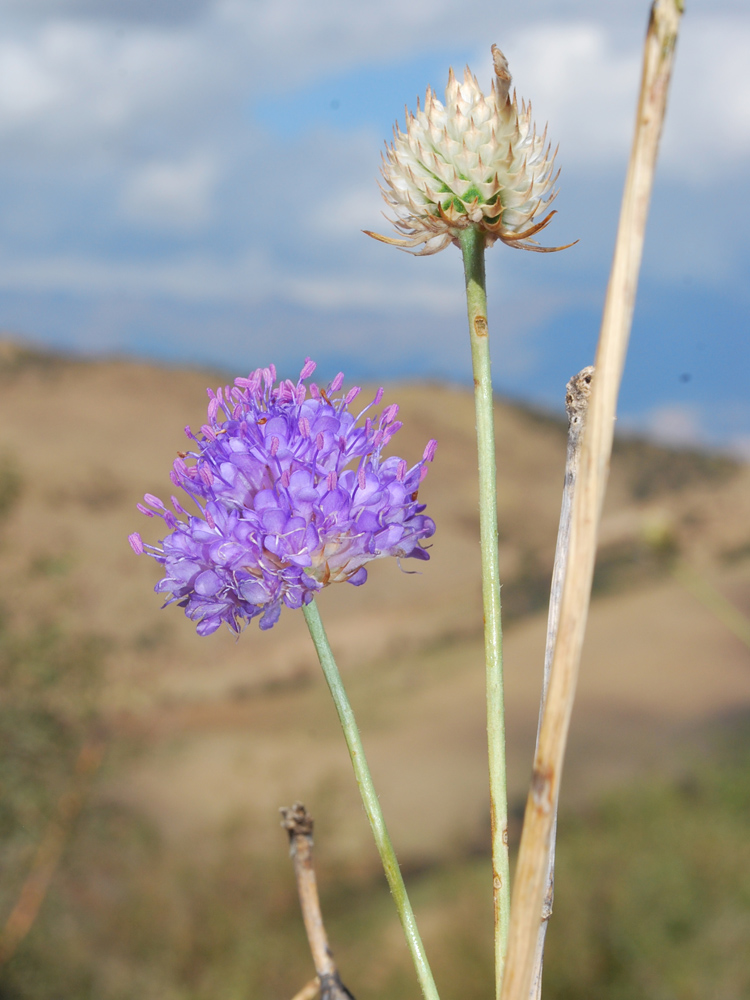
x=307, y=369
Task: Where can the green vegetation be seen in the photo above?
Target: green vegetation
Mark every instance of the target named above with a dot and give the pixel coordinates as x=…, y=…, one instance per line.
x=633, y=562
x=11, y=485
x=17, y=359
x=654, y=889
x=653, y=470
x=49, y=683
x=650, y=469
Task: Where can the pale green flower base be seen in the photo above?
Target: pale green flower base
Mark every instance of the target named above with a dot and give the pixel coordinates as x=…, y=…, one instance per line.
x=370, y=800
x=472, y=243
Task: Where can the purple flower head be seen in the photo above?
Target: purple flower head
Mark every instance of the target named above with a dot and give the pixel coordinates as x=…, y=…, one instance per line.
x=293, y=495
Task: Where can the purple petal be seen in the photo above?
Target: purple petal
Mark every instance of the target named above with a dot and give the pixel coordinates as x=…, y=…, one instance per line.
x=284, y=479
x=207, y=583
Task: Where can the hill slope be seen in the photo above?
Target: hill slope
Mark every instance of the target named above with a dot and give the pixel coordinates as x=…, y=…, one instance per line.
x=214, y=732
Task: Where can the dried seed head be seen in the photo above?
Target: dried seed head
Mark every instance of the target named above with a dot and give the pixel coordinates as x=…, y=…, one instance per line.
x=474, y=161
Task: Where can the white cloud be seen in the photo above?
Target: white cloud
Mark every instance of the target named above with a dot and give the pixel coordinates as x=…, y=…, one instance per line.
x=159, y=11
x=117, y=114
x=584, y=81
x=28, y=88
x=176, y=195
x=676, y=424
x=343, y=212
x=67, y=84
x=64, y=81
x=376, y=293
x=708, y=120
x=196, y=277
x=331, y=36
x=250, y=279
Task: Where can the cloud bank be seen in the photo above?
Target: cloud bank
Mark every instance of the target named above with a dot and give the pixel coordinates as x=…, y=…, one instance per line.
x=170, y=169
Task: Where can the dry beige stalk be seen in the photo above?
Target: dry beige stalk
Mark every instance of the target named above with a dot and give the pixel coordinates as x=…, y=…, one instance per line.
x=309, y=991
x=299, y=825
x=577, y=395
x=531, y=871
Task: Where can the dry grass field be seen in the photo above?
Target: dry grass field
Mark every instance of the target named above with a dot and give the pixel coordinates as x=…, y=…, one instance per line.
x=207, y=737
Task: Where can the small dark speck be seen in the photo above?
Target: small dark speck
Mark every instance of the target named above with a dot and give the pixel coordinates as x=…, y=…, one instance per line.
x=335, y=105
x=685, y=377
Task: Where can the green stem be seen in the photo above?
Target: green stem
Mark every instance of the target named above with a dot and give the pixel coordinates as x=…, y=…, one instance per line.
x=472, y=247
x=370, y=800
x=704, y=591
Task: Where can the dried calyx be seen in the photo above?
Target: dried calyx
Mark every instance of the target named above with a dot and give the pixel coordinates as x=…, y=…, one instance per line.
x=474, y=161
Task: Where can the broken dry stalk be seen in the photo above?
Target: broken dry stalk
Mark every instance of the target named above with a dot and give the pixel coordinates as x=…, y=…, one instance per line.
x=309, y=991
x=530, y=883
x=577, y=395
x=299, y=825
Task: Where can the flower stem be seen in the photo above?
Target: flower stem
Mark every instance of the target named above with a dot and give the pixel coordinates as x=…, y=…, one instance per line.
x=472, y=247
x=370, y=800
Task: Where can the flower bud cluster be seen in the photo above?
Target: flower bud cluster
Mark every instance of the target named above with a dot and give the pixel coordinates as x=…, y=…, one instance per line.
x=292, y=494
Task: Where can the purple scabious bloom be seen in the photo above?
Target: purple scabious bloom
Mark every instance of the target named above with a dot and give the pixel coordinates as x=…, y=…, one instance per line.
x=293, y=495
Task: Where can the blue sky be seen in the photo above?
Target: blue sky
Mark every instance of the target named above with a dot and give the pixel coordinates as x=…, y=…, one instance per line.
x=188, y=180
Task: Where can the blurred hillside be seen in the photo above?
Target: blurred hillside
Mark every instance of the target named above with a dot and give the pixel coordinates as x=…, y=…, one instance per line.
x=207, y=737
